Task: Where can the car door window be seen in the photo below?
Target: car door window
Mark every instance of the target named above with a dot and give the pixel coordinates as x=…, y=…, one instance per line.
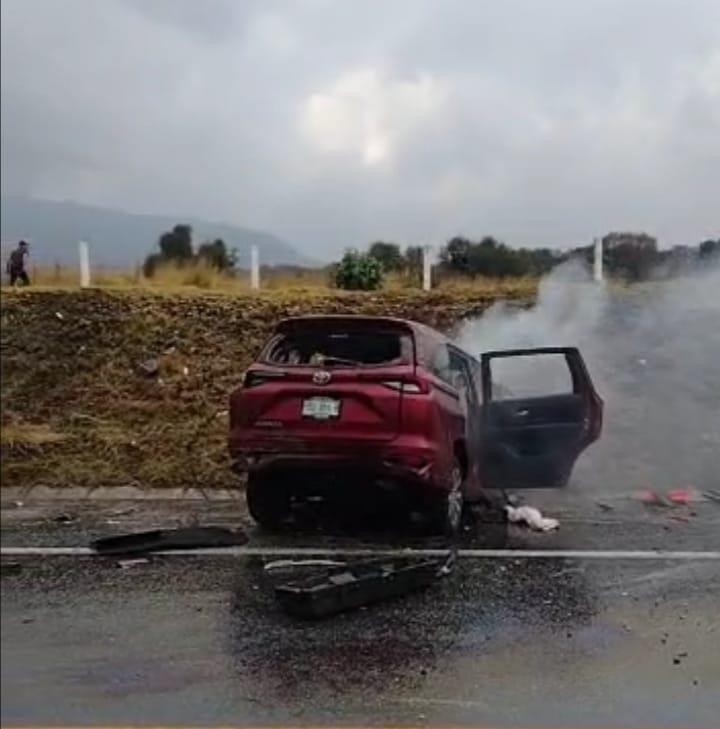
x=453, y=368
x=441, y=365
x=461, y=379
x=531, y=376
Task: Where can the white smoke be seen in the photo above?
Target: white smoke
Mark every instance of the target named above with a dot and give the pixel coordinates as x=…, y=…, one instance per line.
x=653, y=351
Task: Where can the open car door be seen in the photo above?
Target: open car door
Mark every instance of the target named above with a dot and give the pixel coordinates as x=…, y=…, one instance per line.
x=532, y=435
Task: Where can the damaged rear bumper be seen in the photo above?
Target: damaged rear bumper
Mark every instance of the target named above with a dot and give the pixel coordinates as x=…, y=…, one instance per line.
x=380, y=463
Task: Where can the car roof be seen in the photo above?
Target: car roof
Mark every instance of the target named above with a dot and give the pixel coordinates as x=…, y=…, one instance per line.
x=421, y=329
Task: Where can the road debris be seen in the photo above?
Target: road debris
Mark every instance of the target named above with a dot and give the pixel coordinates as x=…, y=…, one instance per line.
x=677, y=660
x=283, y=564
x=684, y=496
x=674, y=497
x=150, y=367
x=604, y=506
x=652, y=498
x=11, y=568
x=354, y=586
x=531, y=517
x=194, y=537
x=126, y=564
x=64, y=519
x=124, y=511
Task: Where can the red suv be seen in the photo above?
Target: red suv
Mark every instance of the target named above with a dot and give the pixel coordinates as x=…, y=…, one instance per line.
x=347, y=407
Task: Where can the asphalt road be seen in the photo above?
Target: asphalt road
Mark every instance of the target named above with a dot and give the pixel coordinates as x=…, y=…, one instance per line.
x=511, y=642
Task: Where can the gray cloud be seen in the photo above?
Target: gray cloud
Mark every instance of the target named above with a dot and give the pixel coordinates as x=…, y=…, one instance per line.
x=336, y=123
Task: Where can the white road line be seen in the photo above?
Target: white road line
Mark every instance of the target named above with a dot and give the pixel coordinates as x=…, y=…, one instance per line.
x=382, y=552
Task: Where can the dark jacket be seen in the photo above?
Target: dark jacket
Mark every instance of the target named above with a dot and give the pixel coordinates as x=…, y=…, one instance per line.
x=16, y=261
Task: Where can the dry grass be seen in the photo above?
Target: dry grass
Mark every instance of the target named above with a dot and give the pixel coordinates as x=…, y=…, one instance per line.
x=79, y=411
x=462, y=285
x=173, y=277
x=66, y=277
x=21, y=435
x=201, y=277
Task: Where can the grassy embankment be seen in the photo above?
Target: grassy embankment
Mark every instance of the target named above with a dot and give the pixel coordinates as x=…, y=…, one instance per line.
x=199, y=276
x=77, y=411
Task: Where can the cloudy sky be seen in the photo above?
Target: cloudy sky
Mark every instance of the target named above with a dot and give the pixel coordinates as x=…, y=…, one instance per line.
x=334, y=123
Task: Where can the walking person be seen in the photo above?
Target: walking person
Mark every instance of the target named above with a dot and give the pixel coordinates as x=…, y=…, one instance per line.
x=16, y=265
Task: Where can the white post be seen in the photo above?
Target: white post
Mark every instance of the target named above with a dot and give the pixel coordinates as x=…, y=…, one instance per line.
x=84, y=253
x=254, y=268
x=427, y=269
x=598, y=261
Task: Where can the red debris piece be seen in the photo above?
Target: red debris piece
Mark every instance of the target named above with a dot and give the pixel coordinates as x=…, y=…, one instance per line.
x=683, y=496
x=675, y=497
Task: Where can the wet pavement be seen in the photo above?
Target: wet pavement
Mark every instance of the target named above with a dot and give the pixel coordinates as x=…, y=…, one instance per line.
x=512, y=642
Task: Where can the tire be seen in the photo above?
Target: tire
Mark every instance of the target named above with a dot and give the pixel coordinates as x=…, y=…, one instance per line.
x=267, y=500
x=447, y=514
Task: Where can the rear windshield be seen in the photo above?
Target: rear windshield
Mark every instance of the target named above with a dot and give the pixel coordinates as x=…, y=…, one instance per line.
x=338, y=347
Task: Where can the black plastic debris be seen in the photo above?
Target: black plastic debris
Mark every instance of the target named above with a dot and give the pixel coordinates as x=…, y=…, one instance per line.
x=168, y=539
x=10, y=568
x=356, y=585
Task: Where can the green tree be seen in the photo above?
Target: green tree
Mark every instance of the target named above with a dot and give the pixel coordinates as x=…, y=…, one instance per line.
x=631, y=255
x=358, y=271
x=216, y=254
x=388, y=254
x=494, y=259
x=456, y=254
x=414, y=260
x=176, y=244
x=151, y=264
x=488, y=257
x=709, y=249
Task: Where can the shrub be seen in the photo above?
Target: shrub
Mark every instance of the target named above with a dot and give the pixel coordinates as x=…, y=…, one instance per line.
x=358, y=272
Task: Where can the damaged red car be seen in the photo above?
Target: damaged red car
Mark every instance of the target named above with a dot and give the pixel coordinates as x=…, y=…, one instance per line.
x=359, y=409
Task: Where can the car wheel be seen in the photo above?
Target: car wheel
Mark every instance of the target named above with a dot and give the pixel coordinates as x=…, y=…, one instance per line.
x=449, y=509
x=267, y=500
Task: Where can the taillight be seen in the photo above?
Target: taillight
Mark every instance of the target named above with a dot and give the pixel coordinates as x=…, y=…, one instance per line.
x=414, y=387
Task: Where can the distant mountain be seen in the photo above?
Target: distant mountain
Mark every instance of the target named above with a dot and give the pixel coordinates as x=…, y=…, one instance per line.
x=118, y=238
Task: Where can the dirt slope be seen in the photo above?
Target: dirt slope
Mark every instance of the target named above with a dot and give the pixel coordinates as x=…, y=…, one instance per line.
x=78, y=411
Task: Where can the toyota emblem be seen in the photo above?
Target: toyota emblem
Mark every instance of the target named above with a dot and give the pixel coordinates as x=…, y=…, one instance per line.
x=321, y=377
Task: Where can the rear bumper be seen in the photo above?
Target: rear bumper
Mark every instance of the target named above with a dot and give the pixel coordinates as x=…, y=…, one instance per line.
x=410, y=461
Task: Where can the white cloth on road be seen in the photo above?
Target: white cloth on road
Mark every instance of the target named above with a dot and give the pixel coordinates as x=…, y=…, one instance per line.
x=532, y=517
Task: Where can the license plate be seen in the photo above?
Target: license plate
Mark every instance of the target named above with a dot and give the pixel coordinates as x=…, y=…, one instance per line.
x=321, y=408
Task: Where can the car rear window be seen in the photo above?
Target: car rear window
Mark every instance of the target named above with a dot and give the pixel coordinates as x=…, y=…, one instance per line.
x=338, y=347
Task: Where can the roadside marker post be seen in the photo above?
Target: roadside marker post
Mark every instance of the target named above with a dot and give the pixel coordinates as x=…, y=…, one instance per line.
x=254, y=268
x=598, y=260
x=84, y=253
x=427, y=269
